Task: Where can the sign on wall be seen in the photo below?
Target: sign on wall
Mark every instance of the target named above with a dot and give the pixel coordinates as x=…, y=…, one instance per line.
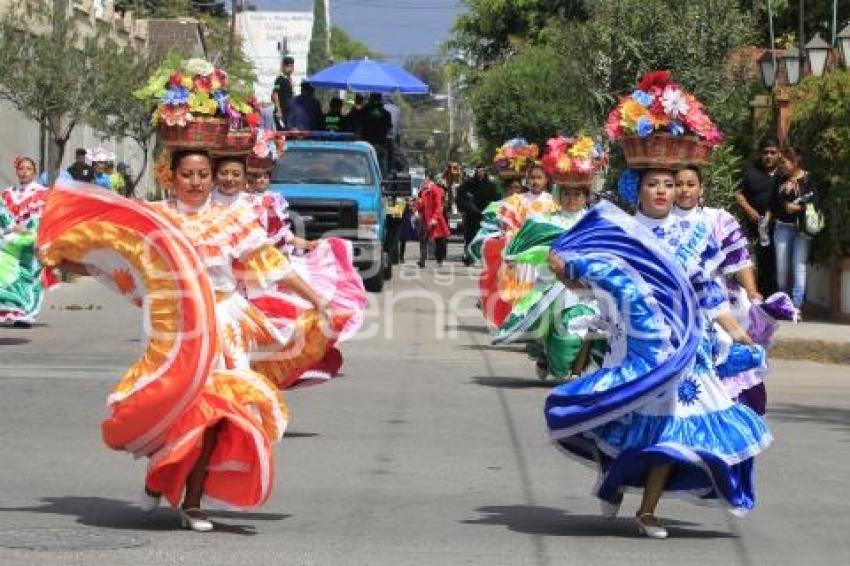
x=267, y=37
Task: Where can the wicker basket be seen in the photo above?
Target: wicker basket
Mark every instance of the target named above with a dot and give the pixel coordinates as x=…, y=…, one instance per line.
x=200, y=133
x=663, y=151
x=510, y=174
x=237, y=143
x=256, y=165
x=574, y=179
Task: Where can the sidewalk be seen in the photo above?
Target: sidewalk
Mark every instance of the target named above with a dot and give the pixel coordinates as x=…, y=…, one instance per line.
x=825, y=342
x=824, y=331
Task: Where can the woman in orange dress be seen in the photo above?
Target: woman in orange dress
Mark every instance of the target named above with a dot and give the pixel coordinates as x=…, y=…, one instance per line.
x=192, y=404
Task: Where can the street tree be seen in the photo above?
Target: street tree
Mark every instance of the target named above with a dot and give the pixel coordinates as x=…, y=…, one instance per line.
x=318, y=57
x=55, y=75
x=346, y=48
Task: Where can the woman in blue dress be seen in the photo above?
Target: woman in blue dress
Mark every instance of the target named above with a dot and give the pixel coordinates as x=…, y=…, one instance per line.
x=656, y=415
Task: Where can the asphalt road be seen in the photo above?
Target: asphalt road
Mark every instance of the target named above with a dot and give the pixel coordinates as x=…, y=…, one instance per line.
x=431, y=449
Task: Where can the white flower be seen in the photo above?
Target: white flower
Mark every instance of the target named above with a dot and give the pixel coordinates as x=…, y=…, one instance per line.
x=199, y=67
x=674, y=103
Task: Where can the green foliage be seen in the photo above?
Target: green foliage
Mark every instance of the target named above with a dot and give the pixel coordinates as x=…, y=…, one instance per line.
x=346, y=48
x=491, y=29
x=567, y=75
x=722, y=176
x=531, y=95
x=60, y=78
x=318, y=57
x=820, y=125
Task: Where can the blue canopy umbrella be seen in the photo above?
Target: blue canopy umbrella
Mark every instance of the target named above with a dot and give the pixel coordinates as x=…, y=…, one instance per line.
x=368, y=75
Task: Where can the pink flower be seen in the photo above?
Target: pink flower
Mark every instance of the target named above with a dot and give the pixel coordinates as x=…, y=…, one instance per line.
x=557, y=145
x=176, y=79
x=612, y=125
x=714, y=136
x=261, y=149
x=584, y=165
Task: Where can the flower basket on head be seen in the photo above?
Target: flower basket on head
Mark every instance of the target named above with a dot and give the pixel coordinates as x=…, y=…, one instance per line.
x=194, y=107
x=514, y=158
x=268, y=147
x=510, y=174
x=660, y=125
x=237, y=143
x=664, y=151
x=200, y=133
x=573, y=161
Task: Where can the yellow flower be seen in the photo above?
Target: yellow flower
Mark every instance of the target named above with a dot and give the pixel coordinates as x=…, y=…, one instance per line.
x=202, y=103
x=564, y=164
x=186, y=82
x=631, y=112
x=582, y=148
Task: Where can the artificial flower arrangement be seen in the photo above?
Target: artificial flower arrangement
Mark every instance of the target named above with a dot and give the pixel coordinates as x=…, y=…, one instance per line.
x=515, y=156
x=194, y=91
x=268, y=147
x=660, y=124
x=573, y=160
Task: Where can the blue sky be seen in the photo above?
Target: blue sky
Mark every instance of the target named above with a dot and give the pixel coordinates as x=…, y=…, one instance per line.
x=395, y=28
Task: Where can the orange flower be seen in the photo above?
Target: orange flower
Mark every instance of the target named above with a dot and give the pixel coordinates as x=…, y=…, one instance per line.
x=123, y=280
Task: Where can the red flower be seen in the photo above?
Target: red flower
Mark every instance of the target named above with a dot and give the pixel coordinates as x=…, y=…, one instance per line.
x=252, y=120
x=221, y=76
x=176, y=79
x=656, y=79
x=203, y=84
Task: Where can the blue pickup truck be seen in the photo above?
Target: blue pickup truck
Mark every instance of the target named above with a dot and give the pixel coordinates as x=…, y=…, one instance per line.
x=333, y=185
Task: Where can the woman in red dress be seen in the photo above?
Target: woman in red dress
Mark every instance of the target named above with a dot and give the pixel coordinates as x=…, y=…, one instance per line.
x=432, y=221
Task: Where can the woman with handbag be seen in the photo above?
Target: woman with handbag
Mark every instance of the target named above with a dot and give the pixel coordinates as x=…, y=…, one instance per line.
x=793, y=234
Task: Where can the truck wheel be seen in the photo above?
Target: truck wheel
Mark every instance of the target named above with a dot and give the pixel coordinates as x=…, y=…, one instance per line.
x=374, y=284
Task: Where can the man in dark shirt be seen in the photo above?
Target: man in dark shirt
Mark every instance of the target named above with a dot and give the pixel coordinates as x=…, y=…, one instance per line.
x=754, y=196
x=305, y=110
x=282, y=92
x=377, y=124
x=353, y=121
x=80, y=170
x=333, y=119
x=473, y=196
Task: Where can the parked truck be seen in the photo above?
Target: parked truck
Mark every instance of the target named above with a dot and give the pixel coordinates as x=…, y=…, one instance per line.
x=334, y=188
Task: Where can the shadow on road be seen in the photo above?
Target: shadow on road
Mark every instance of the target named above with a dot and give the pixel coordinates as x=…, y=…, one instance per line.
x=837, y=418
x=297, y=434
x=118, y=514
x=529, y=382
x=518, y=349
x=476, y=328
x=547, y=521
x=10, y=341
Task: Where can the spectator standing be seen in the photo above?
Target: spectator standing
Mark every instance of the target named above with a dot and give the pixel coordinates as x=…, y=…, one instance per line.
x=474, y=195
x=333, y=120
x=787, y=210
x=353, y=121
x=81, y=170
x=432, y=223
x=377, y=124
x=306, y=110
x=282, y=92
x=754, y=196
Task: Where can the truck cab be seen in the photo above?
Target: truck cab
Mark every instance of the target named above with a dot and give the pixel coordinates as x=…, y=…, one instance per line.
x=333, y=185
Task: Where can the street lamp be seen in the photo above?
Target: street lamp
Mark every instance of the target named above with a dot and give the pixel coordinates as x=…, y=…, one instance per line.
x=767, y=66
x=791, y=58
x=817, y=51
x=844, y=44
